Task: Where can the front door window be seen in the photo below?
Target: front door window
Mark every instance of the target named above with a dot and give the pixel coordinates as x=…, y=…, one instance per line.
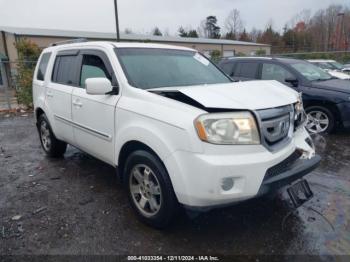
x=275, y=72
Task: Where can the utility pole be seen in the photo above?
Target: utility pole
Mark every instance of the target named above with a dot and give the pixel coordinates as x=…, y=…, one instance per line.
x=339, y=38
x=116, y=19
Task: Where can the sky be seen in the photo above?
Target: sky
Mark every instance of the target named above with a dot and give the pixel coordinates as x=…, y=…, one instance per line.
x=143, y=15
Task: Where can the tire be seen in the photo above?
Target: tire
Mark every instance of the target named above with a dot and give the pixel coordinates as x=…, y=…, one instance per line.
x=52, y=146
x=149, y=189
x=317, y=114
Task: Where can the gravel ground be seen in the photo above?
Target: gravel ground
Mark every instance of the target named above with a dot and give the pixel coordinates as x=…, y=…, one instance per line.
x=77, y=206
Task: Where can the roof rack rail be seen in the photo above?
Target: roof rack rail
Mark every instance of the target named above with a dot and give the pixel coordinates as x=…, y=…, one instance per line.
x=72, y=41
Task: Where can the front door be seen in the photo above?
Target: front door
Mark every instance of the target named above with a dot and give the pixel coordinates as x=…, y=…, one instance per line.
x=94, y=115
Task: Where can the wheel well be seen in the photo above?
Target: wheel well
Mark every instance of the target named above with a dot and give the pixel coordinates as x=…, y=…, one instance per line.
x=38, y=113
x=330, y=106
x=127, y=149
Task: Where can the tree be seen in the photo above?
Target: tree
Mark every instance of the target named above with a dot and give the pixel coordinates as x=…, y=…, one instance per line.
x=190, y=33
x=260, y=52
x=28, y=54
x=271, y=37
x=215, y=56
x=233, y=25
x=193, y=33
x=182, y=32
x=211, y=27
x=156, y=31
x=244, y=36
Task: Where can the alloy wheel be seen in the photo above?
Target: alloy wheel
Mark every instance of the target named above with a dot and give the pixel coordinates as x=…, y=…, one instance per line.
x=45, y=135
x=317, y=122
x=145, y=190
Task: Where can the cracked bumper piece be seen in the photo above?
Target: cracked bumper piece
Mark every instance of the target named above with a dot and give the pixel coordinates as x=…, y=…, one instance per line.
x=295, y=171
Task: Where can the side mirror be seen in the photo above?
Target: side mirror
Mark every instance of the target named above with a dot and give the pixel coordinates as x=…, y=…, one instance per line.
x=293, y=81
x=98, y=86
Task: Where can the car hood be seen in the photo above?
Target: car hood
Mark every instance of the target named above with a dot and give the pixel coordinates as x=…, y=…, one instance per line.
x=338, y=74
x=338, y=85
x=251, y=95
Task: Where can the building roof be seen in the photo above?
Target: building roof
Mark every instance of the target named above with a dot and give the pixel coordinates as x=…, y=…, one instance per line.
x=125, y=37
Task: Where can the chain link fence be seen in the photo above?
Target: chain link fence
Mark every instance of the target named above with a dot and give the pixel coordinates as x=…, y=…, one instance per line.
x=15, y=82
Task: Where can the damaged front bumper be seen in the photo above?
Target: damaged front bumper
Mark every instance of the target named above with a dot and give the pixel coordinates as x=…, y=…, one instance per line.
x=198, y=178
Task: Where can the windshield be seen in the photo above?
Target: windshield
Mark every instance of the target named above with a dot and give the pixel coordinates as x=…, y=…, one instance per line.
x=311, y=72
x=148, y=68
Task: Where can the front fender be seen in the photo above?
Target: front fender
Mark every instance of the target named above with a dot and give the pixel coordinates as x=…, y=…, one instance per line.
x=162, y=138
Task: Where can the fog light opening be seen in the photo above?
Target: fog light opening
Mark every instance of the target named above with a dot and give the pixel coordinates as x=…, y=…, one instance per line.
x=227, y=183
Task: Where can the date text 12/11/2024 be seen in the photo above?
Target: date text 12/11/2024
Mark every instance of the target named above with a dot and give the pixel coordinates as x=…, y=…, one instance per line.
x=173, y=258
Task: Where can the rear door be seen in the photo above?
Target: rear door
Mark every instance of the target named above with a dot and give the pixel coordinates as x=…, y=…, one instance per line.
x=94, y=115
x=59, y=94
x=245, y=70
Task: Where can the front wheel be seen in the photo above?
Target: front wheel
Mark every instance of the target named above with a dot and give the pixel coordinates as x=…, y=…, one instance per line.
x=149, y=188
x=51, y=145
x=319, y=120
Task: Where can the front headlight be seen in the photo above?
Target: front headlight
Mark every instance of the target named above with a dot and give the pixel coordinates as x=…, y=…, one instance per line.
x=237, y=128
x=300, y=115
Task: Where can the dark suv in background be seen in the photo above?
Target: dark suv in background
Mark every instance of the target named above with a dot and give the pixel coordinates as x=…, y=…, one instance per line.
x=326, y=99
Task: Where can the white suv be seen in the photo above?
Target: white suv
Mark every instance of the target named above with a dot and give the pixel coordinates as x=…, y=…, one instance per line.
x=178, y=130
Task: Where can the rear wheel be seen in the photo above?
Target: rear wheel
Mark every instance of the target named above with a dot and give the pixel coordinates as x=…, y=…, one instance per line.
x=149, y=188
x=51, y=145
x=319, y=120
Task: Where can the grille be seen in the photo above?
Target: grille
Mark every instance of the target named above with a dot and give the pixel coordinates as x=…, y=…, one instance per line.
x=283, y=166
x=275, y=124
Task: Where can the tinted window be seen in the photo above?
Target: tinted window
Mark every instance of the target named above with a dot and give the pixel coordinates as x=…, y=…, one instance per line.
x=64, y=70
x=246, y=69
x=275, y=72
x=43, y=66
x=152, y=68
x=1, y=82
x=227, y=68
x=93, y=67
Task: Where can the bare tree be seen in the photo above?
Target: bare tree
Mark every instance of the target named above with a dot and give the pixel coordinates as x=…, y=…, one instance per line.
x=234, y=24
x=202, y=29
x=127, y=31
x=303, y=16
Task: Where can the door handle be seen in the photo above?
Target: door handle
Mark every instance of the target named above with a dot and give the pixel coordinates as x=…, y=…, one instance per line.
x=49, y=94
x=77, y=103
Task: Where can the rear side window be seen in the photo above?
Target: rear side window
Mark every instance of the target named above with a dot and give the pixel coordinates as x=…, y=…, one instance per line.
x=246, y=69
x=65, y=70
x=1, y=82
x=43, y=66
